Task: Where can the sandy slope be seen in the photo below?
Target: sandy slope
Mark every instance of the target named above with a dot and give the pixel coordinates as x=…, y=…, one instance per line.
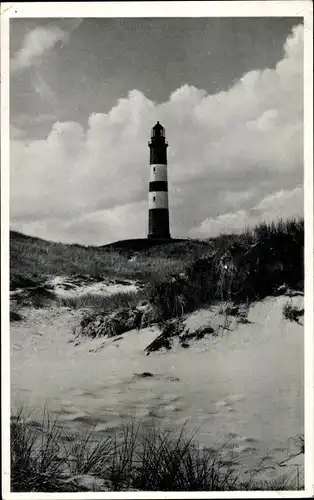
x=244, y=386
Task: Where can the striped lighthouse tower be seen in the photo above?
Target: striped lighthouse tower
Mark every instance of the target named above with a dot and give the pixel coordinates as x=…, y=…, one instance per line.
x=158, y=213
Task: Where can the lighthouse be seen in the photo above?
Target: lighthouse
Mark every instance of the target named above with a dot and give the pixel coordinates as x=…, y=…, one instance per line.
x=158, y=209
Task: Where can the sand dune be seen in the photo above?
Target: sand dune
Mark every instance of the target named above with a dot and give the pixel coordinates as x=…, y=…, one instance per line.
x=242, y=387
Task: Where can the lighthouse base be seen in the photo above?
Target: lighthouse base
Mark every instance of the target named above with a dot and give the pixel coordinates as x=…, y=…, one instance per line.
x=157, y=237
x=158, y=224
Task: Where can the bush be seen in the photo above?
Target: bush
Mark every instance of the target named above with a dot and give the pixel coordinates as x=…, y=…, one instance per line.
x=171, y=297
x=102, y=324
x=15, y=315
x=292, y=313
x=242, y=268
x=169, y=330
x=38, y=297
x=275, y=259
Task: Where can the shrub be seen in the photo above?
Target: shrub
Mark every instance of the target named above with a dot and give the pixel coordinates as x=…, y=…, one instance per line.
x=171, y=297
x=242, y=268
x=15, y=315
x=38, y=297
x=201, y=284
x=169, y=330
x=19, y=281
x=102, y=324
x=292, y=313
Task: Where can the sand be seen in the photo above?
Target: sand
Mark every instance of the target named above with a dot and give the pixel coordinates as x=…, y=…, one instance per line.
x=243, y=387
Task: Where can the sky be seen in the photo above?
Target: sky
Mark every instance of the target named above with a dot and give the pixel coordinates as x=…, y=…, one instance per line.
x=84, y=94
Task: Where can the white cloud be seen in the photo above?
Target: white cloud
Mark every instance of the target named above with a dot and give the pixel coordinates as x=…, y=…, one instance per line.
x=127, y=220
x=283, y=204
x=36, y=44
x=227, y=152
x=289, y=203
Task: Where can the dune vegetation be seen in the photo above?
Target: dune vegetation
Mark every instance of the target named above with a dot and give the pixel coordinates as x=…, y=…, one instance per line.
x=276, y=247
x=238, y=269
x=172, y=280
x=46, y=458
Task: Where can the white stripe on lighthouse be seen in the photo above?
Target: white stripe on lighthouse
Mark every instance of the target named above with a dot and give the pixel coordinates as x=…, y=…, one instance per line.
x=158, y=199
x=158, y=172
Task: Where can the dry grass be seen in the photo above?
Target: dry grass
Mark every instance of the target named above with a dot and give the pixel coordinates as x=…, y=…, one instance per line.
x=241, y=269
x=100, y=324
x=36, y=459
x=33, y=260
x=45, y=458
x=238, y=269
x=102, y=302
x=250, y=264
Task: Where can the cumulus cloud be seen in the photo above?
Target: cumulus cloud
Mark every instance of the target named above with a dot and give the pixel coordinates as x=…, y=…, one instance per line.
x=127, y=220
x=228, y=153
x=36, y=44
x=283, y=204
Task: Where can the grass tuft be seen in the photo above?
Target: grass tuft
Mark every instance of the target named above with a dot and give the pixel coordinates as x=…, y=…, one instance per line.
x=36, y=461
x=106, y=303
x=45, y=458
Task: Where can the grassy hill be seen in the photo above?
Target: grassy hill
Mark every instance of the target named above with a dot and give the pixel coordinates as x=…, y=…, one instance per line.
x=248, y=265
x=34, y=259
x=139, y=244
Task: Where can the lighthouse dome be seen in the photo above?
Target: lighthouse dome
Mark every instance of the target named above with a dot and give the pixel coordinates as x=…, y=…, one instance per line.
x=158, y=130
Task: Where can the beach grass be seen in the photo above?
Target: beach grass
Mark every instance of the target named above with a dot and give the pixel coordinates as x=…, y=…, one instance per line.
x=47, y=458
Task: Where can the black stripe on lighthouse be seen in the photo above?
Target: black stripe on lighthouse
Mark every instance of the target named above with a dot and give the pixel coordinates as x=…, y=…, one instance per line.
x=158, y=154
x=158, y=223
x=158, y=186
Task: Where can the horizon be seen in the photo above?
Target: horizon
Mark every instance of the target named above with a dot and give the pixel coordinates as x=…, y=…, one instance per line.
x=85, y=94
x=171, y=240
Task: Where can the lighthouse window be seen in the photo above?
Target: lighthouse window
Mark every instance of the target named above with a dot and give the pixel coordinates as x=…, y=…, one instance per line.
x=154, y=169
x=154, y=198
